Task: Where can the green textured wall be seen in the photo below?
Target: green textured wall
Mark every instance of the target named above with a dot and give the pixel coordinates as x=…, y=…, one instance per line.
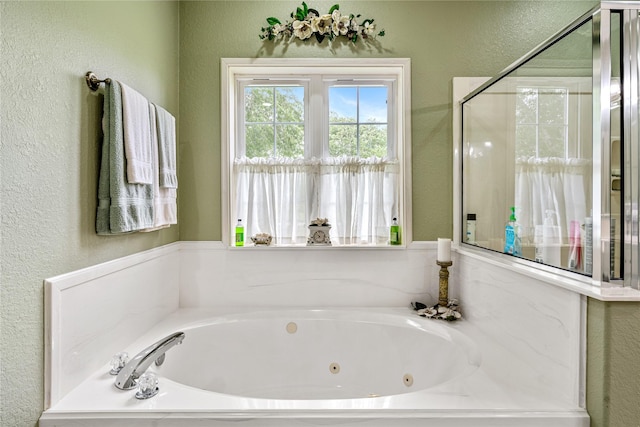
x=443, y=39
x=50, y=135
x=613, y=372
x=50, y=126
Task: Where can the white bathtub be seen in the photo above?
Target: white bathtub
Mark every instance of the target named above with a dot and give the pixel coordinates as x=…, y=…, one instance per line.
x=374, y=367
x=319, y=354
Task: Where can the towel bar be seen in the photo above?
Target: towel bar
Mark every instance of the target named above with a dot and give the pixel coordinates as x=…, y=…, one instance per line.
x=93, y=82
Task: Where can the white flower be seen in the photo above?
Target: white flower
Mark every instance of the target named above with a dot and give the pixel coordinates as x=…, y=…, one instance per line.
x=321, y=24
x=302, y=29
x=354, y=26
x=278, y=28
x=427, y=312
x=368, y=28
x=320, y=221
x=340, y=25
x=449, y=314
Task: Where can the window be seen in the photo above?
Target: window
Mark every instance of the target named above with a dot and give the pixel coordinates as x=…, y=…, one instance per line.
x=552, y=165
x=308, y=139
x=542, y=122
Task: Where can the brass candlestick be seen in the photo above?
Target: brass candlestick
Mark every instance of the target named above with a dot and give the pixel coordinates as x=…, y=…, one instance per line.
x=443, y=289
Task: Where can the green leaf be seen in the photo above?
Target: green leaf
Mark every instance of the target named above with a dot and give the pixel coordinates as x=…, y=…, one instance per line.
x=315, y=12
x=305, y=9
x=334, y=7
x=370, y=21
x=319, y=37
x=354, y=38
x=300, y=15
x=381, y=33
x=351, y=16
x=273, y=21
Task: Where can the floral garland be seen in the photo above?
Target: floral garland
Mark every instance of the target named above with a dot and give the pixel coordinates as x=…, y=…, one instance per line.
x=308, y=22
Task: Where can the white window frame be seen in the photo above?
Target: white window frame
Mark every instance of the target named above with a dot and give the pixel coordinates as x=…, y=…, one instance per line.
x=376, y=69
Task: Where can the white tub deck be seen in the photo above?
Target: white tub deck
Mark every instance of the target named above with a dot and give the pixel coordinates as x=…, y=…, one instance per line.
x=500, y=392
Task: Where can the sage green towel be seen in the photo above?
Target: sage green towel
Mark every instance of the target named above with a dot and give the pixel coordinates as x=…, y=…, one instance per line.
x=122, y=207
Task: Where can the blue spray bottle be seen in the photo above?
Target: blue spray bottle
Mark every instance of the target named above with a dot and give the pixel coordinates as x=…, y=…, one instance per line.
x=512, y=243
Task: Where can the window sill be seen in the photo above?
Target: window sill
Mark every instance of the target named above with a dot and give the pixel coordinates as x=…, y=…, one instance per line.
x=315, y=248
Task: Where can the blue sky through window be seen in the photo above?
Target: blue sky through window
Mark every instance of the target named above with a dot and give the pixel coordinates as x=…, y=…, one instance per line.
x=343, y=101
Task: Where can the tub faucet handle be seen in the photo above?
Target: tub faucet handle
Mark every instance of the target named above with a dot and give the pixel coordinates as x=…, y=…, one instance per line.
x=118, y=361
x=147, y=385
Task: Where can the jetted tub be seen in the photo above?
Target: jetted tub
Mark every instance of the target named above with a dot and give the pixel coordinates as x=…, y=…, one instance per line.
x=319, y=355
x=374, y=367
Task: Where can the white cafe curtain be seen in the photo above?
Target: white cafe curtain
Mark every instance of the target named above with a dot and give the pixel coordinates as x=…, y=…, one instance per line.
x=280, y=196
x=559, y=186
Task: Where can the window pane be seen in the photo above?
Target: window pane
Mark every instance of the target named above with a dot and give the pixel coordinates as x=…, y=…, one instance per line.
x=373, y=140
x=373, y=104
x=551, y=141
x=290, y=140
x=274, y=121
x=290, y=104
x=343, y=140
x=552, y=104
x=258, y=104
x=527, y=105
x=526, y=141
x=343, y=102
x=547, y=108
x=259, y=140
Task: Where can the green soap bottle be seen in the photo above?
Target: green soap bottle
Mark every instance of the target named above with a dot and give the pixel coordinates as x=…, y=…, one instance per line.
x=394, y=235
x=239, y=233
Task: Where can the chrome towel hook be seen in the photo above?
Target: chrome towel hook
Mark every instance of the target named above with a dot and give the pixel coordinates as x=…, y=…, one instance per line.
x=93, y=82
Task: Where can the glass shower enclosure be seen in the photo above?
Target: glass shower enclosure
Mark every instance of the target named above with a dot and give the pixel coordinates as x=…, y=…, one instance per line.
x=549, y=153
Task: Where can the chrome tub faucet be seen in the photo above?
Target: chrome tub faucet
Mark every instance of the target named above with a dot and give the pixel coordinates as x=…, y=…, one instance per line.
x=129, y=374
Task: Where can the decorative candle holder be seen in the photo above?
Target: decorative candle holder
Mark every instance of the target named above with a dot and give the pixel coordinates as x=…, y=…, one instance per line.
x=445, y=309
x=443, y=283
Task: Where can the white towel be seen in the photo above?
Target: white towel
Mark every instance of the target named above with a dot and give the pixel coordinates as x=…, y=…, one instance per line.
x=165, y=210
x=137, y=136
x=122, y=207
x=166, y=124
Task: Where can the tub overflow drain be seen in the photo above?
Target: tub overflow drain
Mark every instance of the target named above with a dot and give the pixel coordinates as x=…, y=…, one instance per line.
x=292, y=327
x=407, y=379
x=334, y=368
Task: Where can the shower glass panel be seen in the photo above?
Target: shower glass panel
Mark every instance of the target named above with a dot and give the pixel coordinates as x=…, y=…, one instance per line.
x=527, y=151
x=550, y=149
